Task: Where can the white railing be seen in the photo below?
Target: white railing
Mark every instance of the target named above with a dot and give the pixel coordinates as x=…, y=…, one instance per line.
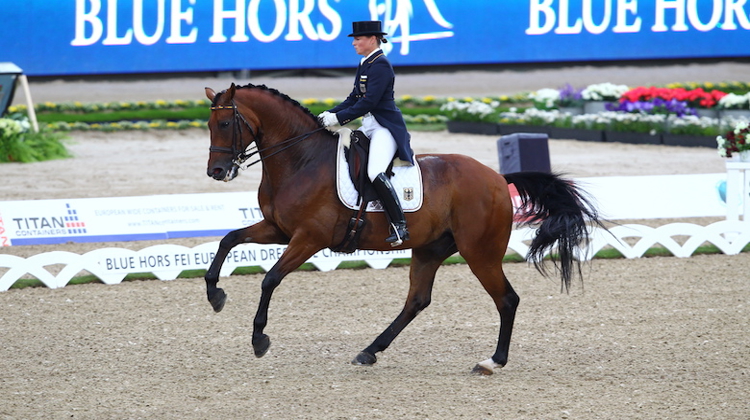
x=167, y=261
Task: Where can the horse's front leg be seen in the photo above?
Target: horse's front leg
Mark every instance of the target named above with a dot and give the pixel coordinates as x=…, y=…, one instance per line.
x=298, y=251
x=262, y=232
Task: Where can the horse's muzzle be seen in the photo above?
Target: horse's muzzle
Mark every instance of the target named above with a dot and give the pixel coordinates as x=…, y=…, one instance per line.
x=221, y=174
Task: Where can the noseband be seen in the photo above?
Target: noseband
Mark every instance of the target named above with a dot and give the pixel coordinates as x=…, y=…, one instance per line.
x=241, y=155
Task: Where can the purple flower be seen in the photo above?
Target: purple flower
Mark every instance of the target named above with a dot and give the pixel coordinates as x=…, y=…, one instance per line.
x=655, y=106
x=570, y=96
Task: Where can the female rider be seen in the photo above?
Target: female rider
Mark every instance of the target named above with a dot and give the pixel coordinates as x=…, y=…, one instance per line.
x=372, y=99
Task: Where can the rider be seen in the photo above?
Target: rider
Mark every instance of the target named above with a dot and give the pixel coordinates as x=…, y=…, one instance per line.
x=372, y=98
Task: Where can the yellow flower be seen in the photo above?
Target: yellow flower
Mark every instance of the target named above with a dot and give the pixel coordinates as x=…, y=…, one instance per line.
x=429, y=98
x=309, y=101
x=468, y=99
x=504, y=98
x=486, y=100
x=12, y=109
x=161, y=102
x=329, y=101
x=709, y=85
x=171, y=124
x=405, y=97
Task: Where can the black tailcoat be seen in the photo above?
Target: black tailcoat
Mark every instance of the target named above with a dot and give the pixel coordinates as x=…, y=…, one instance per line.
x=373, y=93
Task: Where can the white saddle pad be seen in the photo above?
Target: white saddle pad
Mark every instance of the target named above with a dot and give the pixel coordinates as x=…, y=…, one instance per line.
x=407, y=180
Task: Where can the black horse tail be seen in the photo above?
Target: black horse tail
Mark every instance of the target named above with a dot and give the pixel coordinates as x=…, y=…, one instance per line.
x=562, y=211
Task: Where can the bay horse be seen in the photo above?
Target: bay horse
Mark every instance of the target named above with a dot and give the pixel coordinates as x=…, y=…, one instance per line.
x=466, y=209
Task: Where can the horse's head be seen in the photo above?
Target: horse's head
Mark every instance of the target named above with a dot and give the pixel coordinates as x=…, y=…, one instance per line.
x=249, y=114
x=231, y=134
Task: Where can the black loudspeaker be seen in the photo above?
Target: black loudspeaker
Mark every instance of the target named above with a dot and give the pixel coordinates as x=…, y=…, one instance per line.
x=9, y=72
x=519, y=152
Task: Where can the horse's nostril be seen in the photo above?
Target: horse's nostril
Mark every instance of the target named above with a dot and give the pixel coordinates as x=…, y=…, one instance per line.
x=216, y=173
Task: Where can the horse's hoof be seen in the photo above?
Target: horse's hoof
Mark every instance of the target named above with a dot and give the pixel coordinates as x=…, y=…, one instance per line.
x=486, y=367
x=261, y=346
x=481, y=370
x=218, y=299
x=364, y=359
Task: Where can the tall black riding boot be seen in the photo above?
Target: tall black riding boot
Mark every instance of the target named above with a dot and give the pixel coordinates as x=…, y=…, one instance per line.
x=393, y=211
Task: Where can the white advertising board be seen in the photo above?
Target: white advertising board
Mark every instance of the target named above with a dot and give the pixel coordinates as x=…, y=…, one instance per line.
x=162, y=217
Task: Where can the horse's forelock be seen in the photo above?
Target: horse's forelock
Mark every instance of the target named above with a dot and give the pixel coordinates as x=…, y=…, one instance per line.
x=216, y=98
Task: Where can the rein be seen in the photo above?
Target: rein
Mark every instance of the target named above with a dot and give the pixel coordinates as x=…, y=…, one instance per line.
x=241, y=153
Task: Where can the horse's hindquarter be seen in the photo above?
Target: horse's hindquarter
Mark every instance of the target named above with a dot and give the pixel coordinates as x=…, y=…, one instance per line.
x=465, y=187
x=462, y=198
x=475, y=201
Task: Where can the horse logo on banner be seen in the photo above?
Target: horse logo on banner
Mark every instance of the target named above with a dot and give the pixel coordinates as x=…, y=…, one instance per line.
x=398, y=18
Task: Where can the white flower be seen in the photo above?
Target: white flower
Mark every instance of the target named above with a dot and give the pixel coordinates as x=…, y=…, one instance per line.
x=546, y=96
x=474, y=108
x=722, y=149
x=603, y=92
x=692, y=120
x=734, y=101
x=9, y=127
x=741, y=125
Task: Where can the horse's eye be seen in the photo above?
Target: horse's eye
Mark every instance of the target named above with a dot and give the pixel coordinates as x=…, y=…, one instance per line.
x=224, y=124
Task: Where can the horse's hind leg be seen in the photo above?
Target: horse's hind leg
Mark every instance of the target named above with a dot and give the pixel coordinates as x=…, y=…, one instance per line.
x=424, y=265
x=506, y=300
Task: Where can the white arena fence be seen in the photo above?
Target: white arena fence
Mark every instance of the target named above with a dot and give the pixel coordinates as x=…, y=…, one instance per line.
x=167, y=261
x=195, y=215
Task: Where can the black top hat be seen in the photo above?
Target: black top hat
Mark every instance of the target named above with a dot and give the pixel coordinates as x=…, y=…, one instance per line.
x=367, y=28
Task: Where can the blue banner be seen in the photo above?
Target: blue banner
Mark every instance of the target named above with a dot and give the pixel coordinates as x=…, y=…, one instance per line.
x=68, y=37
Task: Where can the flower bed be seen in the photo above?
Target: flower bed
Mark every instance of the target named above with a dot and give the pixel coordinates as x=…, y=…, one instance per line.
x=735, y=141
x=675, y=100
x=19, y=143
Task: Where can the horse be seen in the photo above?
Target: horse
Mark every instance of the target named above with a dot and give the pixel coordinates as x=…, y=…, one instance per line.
x=466, y=209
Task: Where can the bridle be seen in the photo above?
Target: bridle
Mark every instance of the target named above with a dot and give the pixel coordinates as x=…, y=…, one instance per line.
x=241, y=155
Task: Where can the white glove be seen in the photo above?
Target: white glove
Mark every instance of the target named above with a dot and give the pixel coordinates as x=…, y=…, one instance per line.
x=328, y=119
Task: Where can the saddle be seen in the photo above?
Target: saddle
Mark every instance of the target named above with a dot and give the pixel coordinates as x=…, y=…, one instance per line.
x=353, y=185
x=355, y=190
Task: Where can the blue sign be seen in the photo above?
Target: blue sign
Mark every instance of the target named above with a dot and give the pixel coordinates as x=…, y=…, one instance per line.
x=66, y=37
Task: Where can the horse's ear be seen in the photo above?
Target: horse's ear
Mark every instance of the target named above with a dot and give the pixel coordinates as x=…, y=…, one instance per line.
x=210, y=94
x=231, y=91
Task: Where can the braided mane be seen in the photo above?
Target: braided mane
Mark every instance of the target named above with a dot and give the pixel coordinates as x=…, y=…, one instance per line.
x=275, y=92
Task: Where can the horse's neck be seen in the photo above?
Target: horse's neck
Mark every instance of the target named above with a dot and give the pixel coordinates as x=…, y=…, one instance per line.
x=313, y=152
x=291, y=137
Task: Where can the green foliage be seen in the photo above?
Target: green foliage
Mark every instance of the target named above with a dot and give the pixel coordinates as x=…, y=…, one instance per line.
x=134, y=115
x=19, y=143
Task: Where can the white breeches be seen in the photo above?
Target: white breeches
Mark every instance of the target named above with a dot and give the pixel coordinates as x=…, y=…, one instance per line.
x=382, y=146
